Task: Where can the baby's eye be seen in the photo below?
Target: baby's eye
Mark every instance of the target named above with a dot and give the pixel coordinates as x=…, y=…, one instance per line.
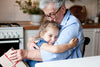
x=50, y=35
x=56, y=37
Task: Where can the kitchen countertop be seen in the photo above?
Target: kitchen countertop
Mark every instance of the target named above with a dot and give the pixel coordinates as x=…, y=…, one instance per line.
x=94, y=25
x=30, y=26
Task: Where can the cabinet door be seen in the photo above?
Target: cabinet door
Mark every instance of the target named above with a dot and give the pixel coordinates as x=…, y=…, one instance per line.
x=89, y=49
x=29, y=33
x=97, y=42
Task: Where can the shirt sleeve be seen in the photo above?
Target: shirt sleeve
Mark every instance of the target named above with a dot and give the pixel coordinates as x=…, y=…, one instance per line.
x=66, y=34
x=41, y=41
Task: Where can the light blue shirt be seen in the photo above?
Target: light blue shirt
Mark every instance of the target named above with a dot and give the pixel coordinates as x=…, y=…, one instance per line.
x=70, y=28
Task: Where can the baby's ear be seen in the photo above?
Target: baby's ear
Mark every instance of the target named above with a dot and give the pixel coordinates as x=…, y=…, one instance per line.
x=41, y=34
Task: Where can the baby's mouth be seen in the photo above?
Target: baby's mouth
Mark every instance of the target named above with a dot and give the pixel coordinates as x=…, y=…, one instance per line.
x=51, y=43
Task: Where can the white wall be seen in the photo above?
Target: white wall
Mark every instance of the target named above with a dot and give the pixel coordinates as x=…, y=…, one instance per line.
x=9, y=10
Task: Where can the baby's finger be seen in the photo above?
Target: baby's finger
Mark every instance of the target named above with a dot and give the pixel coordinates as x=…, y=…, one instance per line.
x=75, y=39
x=72, y=39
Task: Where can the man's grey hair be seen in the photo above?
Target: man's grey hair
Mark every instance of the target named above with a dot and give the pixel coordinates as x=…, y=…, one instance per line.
x=58, y=3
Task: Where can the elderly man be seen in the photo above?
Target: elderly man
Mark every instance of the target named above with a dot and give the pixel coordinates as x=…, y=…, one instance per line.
x=70, y=28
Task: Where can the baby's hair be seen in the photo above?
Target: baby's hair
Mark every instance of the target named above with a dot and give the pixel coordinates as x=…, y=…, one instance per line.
x=47, y=23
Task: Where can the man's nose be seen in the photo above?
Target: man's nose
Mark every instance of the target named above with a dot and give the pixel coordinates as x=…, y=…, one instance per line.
x=50, y=19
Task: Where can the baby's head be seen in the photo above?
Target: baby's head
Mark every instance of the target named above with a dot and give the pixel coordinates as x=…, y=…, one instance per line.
x=49, y=31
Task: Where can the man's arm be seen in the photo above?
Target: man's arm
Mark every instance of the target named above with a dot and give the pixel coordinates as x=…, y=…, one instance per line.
x=59, y=48
x=34, y=55
x=21, y=54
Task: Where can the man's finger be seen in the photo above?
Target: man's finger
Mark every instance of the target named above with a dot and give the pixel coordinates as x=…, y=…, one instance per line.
x=36, y=47
x=36, y=41
x=18, y=59
x=13, y=52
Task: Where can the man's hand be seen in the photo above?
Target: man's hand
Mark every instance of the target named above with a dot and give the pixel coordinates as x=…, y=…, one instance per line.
x=18, y=55
x=32, y=44
x=73, y=42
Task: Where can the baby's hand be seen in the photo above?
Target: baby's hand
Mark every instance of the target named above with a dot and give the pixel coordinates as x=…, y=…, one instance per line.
x=73, y=42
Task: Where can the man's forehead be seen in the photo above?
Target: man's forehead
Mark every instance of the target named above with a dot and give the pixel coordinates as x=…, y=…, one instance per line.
x=49, y=6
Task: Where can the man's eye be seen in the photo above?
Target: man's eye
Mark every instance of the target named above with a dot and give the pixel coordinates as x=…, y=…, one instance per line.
x=52, y=14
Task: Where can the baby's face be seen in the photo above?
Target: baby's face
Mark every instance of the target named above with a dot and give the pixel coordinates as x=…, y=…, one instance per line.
x=51, y=35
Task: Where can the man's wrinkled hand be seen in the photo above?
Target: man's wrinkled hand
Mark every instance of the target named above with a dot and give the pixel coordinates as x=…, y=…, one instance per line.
x=32, y=43
x=32, y=46
x=18, y=55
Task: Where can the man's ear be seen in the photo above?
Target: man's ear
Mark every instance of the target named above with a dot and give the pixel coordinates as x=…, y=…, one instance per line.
x=63, y=9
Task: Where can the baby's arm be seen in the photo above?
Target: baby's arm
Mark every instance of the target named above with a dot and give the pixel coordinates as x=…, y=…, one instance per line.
x=59, y=48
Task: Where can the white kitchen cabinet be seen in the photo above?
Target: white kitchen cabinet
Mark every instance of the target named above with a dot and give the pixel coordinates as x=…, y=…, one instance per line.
x=29, y=33
x=97, y=42
x=93, y=48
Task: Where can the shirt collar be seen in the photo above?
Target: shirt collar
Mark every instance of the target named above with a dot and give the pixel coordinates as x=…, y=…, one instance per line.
x=65, y=19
